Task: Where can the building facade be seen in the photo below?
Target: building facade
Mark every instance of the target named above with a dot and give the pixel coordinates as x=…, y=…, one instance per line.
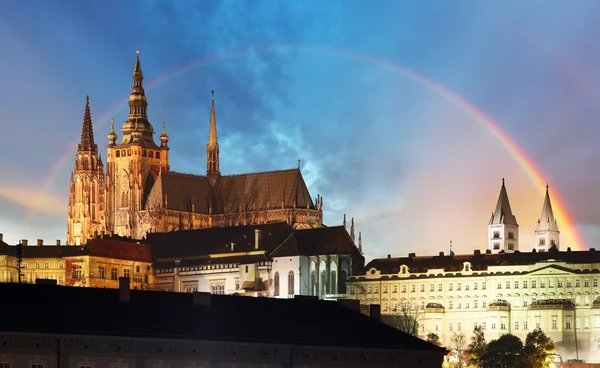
x=504, y=291
x=139, y=194
x=193, y=330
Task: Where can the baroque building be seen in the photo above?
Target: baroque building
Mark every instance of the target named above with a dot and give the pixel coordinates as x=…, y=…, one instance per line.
x=502, y=290
x=142, y=195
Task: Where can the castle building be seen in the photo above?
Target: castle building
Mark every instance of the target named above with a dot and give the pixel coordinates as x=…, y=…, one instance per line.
x=139, y=194
x=502, y=290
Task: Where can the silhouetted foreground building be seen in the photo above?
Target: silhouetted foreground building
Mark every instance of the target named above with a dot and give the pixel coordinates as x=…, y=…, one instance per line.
x=123, y=328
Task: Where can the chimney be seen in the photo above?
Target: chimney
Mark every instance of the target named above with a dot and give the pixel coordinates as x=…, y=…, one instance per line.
x=375, y=312
x=201, y=299
x=57, y=241
x=488, y=251
x=1, y=237
x=412, y=255
x=592, y=249
x=257, y=233
x=389, y=256
x=477, y=252
x=40, y=242
x=441, y=254
x=24, y=242
x=353, y=304
x=124, y=292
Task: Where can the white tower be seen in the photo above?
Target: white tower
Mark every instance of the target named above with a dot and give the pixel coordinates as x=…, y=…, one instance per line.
x=503, y=230
x=546, y=233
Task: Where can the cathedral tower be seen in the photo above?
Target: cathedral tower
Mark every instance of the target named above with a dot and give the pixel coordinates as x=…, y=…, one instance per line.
x=134, y=163
x=212, y=148
x=86, y=196
x=503, y=230
x=546, y=232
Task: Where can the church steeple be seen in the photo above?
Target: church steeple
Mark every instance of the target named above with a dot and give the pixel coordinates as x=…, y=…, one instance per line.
x=137, y=99
x=212, y=148
x=86, y=196
x=546, y=232
x=503, y=227
x=87, y=132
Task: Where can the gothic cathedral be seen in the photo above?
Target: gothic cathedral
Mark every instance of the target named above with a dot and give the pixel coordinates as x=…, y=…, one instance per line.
x=141, y=194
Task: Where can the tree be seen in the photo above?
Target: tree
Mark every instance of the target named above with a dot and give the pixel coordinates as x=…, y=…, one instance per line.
x=477, y=347
x=406, y=318
x=434, y=339
x=539, y=349
x=506, y=352
x=458, y=341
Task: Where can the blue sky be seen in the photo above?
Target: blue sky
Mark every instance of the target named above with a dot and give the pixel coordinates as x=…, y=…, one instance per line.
x=312, y=80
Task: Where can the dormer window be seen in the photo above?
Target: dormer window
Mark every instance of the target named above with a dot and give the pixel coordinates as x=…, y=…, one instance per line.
x=403, y=270
x=542, y=241
x=467, y=267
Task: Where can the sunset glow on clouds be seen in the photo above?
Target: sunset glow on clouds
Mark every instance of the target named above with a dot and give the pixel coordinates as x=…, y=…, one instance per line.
x=406, y=116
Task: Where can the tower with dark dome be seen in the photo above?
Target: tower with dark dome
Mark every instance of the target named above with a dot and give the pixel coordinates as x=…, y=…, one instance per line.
x=133, y=163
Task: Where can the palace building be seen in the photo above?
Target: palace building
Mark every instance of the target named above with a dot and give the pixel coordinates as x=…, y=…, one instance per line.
x=502, y=289
x=139, y=194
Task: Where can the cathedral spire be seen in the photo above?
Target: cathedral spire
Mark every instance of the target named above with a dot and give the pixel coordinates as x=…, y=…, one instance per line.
x=212, y=148
x=503, y=213
x=546, y=232
x=87, y=132
x=137, y=99
x=503, y=230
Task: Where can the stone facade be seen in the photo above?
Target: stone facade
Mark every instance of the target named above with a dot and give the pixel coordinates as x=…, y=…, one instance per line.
x=55, y=351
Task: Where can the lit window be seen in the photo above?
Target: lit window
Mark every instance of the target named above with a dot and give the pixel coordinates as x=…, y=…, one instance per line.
x=586, y=283
x=516, y=325
x=533, y=284
x=450, y=287
x=475, y=286
x=554, y=324
x=577, y=283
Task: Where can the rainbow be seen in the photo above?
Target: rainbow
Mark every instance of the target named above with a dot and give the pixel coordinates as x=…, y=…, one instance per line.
x=570, y=232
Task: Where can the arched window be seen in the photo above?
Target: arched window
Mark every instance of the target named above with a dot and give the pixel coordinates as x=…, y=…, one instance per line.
x=314, y=282
x=157, y=155
x=118, y=153
x=323, y=283
x=291, y=284
x=276, y=282
x=342, y=281
x=333, y=282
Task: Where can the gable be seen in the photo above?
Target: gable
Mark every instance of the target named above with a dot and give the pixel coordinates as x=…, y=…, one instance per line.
x=552, y=269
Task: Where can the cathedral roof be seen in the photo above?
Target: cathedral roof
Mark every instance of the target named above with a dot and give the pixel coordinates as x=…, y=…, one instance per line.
x=175, y=316
x=316, y=242
x=503, y=214
x=231, y=193
x=547, y=221
x=480, y=261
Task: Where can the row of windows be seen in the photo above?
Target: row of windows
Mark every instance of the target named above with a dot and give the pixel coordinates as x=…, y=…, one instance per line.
x=496, y=235
x=290, y=284
x=145, y=153
x=524, y=285
x=47, y=265
x=114, y=273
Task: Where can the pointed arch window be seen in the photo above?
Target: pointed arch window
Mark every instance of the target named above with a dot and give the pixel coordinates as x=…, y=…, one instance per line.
x=291, y=284
x=323, y=283
x=333, y=282
x=342, y=281
x=276, y=282
x=315, y=283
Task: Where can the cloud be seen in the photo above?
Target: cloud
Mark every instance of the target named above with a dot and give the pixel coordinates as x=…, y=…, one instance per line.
x=33, y=201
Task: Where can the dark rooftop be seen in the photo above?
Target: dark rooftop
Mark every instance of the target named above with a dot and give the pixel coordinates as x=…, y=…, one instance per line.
x=174, y=315
x=480, y=261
